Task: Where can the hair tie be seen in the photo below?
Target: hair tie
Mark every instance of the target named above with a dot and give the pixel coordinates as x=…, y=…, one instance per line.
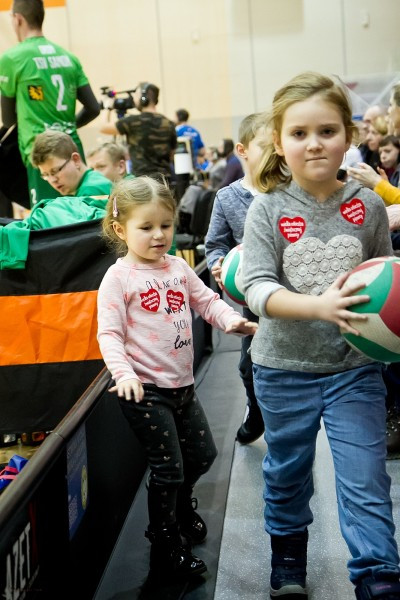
x=115, y=209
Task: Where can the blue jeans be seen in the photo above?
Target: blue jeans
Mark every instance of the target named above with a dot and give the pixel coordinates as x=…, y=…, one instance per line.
x=352, y=404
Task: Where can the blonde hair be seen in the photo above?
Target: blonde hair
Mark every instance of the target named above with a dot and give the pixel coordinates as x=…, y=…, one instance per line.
x=249, y=128
x=396, y=93
x=125, y=195
x=380, y=125
x=273, y=169
x=116, y=151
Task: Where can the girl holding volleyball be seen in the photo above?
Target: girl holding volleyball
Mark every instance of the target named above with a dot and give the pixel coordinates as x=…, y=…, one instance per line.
x=145, y=336
x=302, y=237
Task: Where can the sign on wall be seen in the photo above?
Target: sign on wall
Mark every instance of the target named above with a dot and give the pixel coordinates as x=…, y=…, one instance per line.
x=6, y=4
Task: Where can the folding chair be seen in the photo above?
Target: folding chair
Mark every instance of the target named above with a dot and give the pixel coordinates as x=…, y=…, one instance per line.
x=191, y=245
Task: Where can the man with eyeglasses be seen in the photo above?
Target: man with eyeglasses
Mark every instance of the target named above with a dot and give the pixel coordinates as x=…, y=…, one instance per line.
x=39, y=83
x=82, y=195
x=56, y=156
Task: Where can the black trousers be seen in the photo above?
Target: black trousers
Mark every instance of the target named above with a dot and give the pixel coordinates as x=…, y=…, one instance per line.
x=173, y=429
x=245, y=364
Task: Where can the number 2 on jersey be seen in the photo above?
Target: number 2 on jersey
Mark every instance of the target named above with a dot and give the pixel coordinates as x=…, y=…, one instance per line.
x=58, y=82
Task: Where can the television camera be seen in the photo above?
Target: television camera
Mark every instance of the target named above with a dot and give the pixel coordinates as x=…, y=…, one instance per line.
x=120, y=104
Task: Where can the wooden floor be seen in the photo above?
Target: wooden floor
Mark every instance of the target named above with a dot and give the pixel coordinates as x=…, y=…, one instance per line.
x=7, y=452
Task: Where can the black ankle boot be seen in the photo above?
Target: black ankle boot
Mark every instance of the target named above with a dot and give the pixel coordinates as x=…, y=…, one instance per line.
x=192, y=526
x=252, y=428
x=169, y=558
x=289, y=566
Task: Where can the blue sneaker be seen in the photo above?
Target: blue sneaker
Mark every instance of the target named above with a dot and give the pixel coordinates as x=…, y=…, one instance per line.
x=380, y=587
x=289, y=566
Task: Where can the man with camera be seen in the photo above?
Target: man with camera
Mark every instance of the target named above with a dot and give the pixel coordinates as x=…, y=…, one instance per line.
x=151, y=136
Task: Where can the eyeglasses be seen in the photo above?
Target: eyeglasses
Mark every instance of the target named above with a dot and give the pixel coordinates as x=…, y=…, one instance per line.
x=54, y=172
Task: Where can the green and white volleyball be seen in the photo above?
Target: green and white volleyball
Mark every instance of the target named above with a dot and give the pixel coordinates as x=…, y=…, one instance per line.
x=379, y=337
x=231, y=275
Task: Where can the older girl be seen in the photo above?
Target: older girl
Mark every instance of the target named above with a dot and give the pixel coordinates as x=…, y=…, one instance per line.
x=301, y=238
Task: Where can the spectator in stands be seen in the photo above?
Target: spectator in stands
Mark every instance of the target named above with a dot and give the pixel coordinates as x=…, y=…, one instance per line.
x=234, y=169
x=202, y=163
x=57, y=157
x=394, y=110
x=110, y=160
x=183, y=129
x=224, y=233
x=39, y=84
x=151, y=137
x=376, y=132
x=389, y=154
x=216, y=167
x=370, y=115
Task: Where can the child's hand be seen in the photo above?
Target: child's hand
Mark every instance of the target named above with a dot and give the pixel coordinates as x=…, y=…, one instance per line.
x=335, y=300
x=216, y=271
x=125, y=389
x=242, y=327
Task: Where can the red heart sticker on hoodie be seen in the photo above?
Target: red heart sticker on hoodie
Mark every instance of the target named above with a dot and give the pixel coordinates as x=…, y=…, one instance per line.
x=292, y=229
x=354, y=211
x=150, y=300
x=174, y=299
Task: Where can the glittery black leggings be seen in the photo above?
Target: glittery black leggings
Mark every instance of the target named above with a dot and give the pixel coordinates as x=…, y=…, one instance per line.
x=173, y=429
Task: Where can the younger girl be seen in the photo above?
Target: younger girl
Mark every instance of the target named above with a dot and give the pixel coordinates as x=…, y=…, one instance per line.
x=301, y=238
x=145, y=336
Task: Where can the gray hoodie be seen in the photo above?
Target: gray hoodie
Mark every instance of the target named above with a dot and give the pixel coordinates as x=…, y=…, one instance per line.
x=295, y=242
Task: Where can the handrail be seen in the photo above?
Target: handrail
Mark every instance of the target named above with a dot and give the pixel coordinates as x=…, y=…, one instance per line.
x=29, y=478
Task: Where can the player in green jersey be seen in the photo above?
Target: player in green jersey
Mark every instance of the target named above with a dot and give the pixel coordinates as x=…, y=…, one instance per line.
x=39, y=83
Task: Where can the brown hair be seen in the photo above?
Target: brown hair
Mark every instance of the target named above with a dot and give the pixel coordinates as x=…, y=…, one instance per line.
x=52, y=143
x=390, y=139
x=125, y=195
x=273, y=170
x=31, y=10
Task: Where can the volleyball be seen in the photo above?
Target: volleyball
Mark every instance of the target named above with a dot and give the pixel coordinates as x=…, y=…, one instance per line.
x=379, y=337
x=231, y=275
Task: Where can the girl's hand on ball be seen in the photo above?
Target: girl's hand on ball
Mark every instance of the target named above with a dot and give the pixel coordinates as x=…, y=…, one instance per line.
x=335, y=301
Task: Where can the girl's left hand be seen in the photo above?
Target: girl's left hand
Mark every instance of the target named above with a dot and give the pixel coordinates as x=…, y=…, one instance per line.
x=242, y=327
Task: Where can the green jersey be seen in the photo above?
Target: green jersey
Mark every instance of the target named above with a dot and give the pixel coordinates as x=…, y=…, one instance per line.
x=43, y=78
x=93, y=183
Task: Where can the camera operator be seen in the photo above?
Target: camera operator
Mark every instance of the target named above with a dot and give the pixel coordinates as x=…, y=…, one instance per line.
x=151, y=136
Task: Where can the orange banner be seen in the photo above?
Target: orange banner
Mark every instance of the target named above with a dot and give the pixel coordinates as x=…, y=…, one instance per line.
x=6, y=4
x=48, y=328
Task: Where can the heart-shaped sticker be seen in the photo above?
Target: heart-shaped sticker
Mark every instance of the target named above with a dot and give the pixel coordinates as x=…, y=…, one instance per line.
x=150, y=300
x=174, y=299
x=354, y=211
x=292, y=229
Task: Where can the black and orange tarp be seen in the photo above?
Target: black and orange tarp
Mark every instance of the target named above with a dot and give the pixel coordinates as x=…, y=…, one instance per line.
x=48, y=349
